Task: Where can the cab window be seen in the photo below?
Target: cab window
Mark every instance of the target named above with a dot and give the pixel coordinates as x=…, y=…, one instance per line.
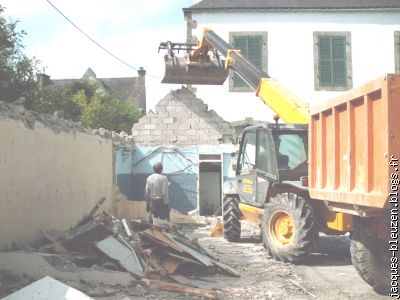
x=291, y=152
x=247, y=159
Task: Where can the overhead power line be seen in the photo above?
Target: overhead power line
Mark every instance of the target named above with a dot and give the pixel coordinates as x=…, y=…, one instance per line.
x=94, y=41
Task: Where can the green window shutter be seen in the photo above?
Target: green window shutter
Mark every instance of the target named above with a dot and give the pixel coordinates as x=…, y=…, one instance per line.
x=339, y=61
x=325, y=60
x=332, y=61
x=251, y=48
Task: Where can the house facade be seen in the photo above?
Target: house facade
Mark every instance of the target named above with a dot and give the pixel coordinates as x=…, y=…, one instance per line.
x=317, y=49
x=193, y=143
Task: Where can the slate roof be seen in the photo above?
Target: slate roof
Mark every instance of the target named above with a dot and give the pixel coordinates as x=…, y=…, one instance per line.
x=268, y=5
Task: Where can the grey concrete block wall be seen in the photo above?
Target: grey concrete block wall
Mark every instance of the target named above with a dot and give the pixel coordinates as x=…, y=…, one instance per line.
x=181, y=119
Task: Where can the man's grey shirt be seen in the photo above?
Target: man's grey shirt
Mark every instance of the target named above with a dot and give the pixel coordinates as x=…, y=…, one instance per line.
x=157, y=188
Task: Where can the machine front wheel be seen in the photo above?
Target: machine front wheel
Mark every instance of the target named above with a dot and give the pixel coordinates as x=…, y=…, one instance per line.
x=288, y=227
x=231, y=216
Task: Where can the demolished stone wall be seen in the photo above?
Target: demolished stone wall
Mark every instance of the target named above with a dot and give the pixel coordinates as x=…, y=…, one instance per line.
x=181, y=119
x=52, y=173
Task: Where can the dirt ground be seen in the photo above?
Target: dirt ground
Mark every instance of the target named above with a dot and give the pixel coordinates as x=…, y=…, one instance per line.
x=325, y=274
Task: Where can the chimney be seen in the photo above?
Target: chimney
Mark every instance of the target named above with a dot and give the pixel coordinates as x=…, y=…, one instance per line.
x=141, y=72
x=43, y=80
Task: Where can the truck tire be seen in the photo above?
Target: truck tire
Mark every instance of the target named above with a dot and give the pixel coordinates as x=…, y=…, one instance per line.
x=368, y=257
x=231, y=217
x=288, y=227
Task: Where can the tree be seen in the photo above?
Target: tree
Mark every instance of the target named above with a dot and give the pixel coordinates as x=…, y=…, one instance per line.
x=17, y=71
x=109, y=112
x=85, y=101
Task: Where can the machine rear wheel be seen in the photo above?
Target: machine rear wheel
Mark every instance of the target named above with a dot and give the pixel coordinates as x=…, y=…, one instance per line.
x=231, y=216
x=288, y=227
x=371, y=259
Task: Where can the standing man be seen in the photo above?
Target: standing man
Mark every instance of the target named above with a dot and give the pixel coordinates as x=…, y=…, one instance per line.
x=156, y=194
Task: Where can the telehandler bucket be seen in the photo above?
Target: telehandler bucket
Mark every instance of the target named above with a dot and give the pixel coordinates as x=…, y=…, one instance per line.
x=181, y=71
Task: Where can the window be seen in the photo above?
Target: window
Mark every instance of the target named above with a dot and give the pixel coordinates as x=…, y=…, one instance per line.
x=397, y=51
x=253, y=46
x=332, y=64
x=291, y=151
x=248, y=153
x=265, y=160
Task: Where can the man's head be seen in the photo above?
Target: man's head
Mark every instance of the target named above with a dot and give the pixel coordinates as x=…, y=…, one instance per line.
x=157, y=167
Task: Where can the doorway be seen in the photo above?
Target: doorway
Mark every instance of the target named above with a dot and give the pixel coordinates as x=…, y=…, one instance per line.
x=210, y=187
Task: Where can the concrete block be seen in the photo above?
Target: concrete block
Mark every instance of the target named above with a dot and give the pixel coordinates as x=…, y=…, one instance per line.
x=212, y=131
x=155, y=120
x=150, y=126
x=179, y=132
x=171, y=108
x=167, y=132
x=144, y=120
x=135, y=132
x=169, y=120
x=155, y=132
x=172, y=126
x=172, y=138
x=191, y=132
x=138, y=126
x=184, y=126
x=161, y=108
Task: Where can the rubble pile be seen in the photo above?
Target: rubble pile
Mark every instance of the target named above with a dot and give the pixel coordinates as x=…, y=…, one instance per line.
x=157, y=256
x=16, y=111
x=121, y=137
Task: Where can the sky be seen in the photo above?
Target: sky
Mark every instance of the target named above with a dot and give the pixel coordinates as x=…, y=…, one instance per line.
x=129, y=29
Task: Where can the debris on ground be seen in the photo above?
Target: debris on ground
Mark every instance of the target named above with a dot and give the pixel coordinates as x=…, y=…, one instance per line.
x=156, y=256
x=48, y=288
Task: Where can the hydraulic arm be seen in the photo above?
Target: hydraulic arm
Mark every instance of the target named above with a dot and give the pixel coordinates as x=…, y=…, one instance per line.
x=197, y=67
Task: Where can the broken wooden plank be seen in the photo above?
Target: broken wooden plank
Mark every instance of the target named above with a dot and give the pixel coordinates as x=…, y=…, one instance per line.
x=227, y=268
x=119, y=252
x=82, y=238
x=184, y=258
x=181, y=279
x=181, y=289
x=162, y=237
x=197, y=255
x=91, y=213
x=170, y=264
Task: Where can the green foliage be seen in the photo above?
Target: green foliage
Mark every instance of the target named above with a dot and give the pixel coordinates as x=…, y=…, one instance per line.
x=84, y=101
x=17, y=71
x=111, y=113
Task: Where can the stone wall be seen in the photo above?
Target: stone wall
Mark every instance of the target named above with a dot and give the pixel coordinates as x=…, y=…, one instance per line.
x=181, y=119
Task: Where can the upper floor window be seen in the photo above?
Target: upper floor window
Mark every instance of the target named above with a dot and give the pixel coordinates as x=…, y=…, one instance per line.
x=397, y=51
x=332, y=61
x=253, y=46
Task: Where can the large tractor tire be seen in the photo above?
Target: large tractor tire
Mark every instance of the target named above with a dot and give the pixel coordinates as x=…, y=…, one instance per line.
x=288, y=227
x=231, y=217
x=370, y=256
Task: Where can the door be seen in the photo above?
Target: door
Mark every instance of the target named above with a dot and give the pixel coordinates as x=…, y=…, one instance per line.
x=246, y=169
x=210, y=188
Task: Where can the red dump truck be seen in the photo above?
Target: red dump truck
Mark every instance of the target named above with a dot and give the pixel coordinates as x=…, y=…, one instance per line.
x=354, y=148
